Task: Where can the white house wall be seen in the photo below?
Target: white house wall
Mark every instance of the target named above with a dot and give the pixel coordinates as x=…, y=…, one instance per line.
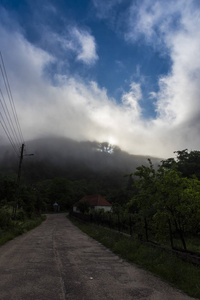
x=105, y=208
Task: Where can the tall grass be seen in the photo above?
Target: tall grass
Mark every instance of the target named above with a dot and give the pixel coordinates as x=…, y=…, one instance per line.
x=19, y=227
x=170, y=268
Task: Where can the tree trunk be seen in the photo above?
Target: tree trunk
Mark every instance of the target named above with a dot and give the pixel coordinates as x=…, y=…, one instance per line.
x=181, y=235
x=130, y=224
x=170, y=234
x=146, y=229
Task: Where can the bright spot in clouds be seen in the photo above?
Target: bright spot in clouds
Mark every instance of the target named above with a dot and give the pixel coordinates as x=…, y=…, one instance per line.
x=64, y=76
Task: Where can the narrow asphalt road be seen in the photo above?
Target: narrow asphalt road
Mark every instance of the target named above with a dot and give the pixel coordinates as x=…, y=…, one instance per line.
x=56, y=261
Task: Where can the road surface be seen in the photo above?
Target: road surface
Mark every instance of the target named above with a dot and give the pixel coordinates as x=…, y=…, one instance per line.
x=56, y=261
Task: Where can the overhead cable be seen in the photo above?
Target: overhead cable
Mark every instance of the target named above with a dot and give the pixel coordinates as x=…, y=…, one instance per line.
x=11, y=100
x=8, y=115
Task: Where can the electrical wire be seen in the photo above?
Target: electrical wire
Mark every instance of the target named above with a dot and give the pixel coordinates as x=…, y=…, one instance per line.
x=12, y=101
x=8, y=117
x=8, y=135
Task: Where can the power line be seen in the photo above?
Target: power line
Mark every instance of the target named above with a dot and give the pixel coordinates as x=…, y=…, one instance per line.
x=8, y=118
x=13, y=110
x=8, y=135
x=12, y=101
x=10, y=122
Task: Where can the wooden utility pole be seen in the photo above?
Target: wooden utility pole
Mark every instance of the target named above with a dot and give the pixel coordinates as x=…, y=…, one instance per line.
x=18, y=181
x=20, y=166
x=19, y=178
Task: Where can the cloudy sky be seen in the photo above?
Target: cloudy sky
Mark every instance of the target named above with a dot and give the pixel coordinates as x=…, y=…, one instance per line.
x=123, y=71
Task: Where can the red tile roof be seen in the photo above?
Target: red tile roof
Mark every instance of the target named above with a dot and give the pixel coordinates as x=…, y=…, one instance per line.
x=94, y=200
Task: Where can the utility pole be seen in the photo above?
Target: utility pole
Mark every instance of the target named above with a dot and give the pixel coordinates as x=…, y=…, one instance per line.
x=20, y=163
x=18, y=181
x=20, y=166
x=19, y=177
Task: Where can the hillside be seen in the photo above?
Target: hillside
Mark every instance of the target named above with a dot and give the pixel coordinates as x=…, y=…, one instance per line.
x=61, y=157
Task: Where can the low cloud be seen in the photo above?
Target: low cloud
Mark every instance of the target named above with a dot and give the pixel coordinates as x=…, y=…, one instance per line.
x=82, y=110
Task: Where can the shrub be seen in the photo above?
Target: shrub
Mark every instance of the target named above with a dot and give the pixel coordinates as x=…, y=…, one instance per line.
x=21, y=215
x=5, y=217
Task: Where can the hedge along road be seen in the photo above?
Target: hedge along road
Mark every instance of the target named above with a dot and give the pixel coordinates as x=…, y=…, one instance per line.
x=57, y=261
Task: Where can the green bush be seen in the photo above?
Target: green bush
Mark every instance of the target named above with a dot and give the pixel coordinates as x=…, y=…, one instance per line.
x=19, y=227
x=21, y=215
x=5, y=217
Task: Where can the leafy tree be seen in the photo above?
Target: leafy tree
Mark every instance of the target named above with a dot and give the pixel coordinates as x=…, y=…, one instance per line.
x=5, y=217
x=7, y=188
x=188, y=163
x=105, y=147
x=143, y=200
x=177, y=202
x=167, y=201
x=61, y=191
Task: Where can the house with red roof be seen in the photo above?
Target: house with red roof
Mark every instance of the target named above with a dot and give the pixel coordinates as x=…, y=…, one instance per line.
x=95, y=202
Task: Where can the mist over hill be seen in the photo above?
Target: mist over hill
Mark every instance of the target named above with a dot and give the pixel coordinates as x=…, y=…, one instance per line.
x=62, y=157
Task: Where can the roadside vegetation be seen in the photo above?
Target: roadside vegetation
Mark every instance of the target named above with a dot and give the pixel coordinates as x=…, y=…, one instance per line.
x=16, y=228
x=17, y=214
x=180, y=274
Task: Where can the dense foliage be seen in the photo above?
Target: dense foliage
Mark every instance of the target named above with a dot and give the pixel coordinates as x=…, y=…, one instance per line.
x=163, y=201
x=167, y=200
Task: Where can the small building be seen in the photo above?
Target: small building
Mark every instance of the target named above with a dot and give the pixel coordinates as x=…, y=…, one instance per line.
x=56, y=207
x=95, y=201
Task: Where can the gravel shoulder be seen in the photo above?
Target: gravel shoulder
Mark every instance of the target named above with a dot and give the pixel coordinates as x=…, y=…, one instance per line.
x=57, y=261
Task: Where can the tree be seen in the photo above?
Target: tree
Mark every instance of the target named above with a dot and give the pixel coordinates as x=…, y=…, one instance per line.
x=167, y=201
x=7, y=188
x=61, y=191
x=144, y=198
x=105, y=147
x=188, y=163
x=177, y=202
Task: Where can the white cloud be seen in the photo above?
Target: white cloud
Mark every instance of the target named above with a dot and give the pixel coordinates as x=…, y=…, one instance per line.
x=85, y=46
x=73, y=40
x=131, y=98
x=73, y=108
x=82, y=110
x=173, y=29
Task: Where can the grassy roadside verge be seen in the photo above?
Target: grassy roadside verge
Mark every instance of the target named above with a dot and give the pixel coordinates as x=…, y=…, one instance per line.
x=19, y=228
x=170, y=268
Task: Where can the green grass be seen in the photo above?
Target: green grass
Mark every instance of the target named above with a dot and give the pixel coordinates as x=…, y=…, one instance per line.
x=18, y=228
x=180, y=274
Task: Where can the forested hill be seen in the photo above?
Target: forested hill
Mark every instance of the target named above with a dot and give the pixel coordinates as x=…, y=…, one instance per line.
x=62, y=157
